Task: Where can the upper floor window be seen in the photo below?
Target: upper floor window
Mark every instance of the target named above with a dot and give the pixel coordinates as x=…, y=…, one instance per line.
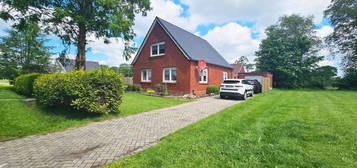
x=225, y=75
x=146, y=75
x=158, y=49
x=204, y=76
x=169, y=75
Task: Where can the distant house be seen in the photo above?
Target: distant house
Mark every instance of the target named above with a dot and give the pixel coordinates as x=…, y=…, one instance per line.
x=170, y=55
x=238, y=68
x=70, y=65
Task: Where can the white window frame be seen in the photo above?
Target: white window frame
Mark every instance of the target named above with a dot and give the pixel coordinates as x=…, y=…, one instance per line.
x=158, y=49
x=148, y=73
x=170, y=75
x=201, y=76
x=225, y=75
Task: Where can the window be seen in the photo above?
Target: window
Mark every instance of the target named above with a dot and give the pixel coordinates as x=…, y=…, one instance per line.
x=225, y=75
x=146, y=75
x=204, y=76
x=158, y=49
x=169, y=75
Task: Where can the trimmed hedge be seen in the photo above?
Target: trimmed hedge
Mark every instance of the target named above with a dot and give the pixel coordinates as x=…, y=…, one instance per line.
x=96, y=91
x=24, y=83
x=133, y=88
x=212, y=89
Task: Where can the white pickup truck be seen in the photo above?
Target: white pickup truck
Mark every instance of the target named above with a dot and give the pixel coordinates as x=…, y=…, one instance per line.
x=239, y=88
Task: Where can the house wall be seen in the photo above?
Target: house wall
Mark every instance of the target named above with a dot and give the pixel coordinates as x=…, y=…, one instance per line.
x=173, y=58
x=215, y=77
x=187, y=81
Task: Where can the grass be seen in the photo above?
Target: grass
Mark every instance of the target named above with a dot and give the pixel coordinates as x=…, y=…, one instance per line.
x=19, y=118
x=7, y=92
x=281, y=128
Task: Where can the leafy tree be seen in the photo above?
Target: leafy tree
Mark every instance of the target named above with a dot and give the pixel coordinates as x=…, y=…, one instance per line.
x=73, y=21
x=126, y=70
x=343, y=16
x=321, y=77
x=23, y=51
x=244, y=60
x=289, y=51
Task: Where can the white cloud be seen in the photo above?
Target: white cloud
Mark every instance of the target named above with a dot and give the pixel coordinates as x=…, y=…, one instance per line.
x=264, y=12
x=324, y=31
x=232, y=41
x=113, y=51
x=166, y=10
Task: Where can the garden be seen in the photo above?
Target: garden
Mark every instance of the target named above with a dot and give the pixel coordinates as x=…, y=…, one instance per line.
x=69, y=100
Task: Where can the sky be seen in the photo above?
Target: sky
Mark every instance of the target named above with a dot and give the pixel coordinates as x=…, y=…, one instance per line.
x=233, y=27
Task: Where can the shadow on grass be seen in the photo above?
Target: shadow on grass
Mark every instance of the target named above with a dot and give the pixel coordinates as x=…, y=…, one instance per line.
x=68, y=113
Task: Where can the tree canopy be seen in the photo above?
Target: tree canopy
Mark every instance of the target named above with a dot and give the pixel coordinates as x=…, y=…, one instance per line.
x=289, y=51
x=343, y=17
x=73, y=21
x=23, y=51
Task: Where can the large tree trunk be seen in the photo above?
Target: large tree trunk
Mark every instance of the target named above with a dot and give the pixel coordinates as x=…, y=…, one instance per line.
x=81, y=48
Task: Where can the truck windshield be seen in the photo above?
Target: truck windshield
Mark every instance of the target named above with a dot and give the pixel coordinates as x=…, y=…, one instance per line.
x=231, y=82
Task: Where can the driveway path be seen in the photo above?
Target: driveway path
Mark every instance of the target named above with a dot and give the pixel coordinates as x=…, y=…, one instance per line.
x=102, y=142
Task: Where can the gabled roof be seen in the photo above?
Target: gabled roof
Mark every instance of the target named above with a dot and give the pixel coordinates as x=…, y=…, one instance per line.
x=193, y=47
x=70, y=65
x=238, y=68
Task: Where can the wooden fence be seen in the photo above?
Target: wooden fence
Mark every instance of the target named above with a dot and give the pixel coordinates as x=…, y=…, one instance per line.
x=128, y=80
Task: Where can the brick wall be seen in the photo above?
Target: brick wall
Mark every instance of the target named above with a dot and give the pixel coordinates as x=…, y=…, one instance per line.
x=187, y=74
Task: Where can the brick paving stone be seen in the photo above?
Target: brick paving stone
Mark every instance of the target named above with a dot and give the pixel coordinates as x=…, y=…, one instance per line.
x=99, y=143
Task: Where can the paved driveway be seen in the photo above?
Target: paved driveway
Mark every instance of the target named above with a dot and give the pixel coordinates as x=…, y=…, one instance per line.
x=102, y=142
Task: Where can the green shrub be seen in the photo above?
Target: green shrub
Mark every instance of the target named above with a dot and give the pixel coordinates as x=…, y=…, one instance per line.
x=96, y=91
x=212, y=89
x=133, y=88
x=24, y=83
x=162, y=89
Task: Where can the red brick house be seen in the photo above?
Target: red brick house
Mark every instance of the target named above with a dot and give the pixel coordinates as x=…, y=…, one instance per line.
x=238, y=68
x=170, y=55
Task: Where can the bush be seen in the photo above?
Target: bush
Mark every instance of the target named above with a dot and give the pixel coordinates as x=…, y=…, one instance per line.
x=96, y=91
x=212, y=89
x=133, y=88
x=162, y=89
x=24, y=83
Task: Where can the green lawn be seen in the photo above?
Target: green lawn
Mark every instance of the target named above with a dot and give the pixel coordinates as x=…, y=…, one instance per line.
x=281, y=128
x=7, y=92
x=19, y=118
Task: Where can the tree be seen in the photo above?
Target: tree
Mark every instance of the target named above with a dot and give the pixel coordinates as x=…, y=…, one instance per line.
x=73, y=21
x=321, y=77
x=23, y=51
x=126, y=70
x=289, y=51
x=343, y=16
x=244, y=60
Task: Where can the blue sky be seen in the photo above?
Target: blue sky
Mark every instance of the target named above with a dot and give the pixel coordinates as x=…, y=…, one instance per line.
x=233, y=27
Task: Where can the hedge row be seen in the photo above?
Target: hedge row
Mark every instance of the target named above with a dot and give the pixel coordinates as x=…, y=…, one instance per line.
x=96, y=91
x=24, y=83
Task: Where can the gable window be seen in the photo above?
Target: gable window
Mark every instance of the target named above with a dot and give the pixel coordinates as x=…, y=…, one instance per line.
x=204, y=76
x=169, y=75
x=146, y=75
x=225, y=75
x=158, y=49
